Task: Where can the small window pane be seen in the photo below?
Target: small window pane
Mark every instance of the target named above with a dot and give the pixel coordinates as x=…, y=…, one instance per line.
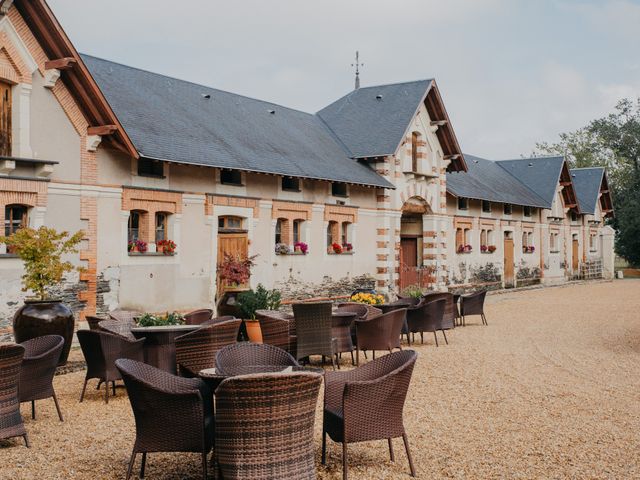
x=296, y=231
x=134, y=226
x=15, y=218
x=278, y=231
x=486, y=206
x=339, y=189
x=508, y=209
x=150, y=168
x=161, y=227
x=463, y=203
x=231, y=177
x=291, y=184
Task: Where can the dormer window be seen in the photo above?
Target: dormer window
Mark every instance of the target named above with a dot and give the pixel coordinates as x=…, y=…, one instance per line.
x=339, y=189
x=574, y=216
x=231, y=177
x=463, y=203
x=486, y=206
x=5, y=119
x=150, y=168
x=508, y=209
x=290, y=184
x=526, y=211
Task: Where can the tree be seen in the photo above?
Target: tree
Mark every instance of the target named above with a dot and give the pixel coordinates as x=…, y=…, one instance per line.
x=612, y=142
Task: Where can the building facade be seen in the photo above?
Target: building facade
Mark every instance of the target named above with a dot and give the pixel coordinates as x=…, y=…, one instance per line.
x=135, y=158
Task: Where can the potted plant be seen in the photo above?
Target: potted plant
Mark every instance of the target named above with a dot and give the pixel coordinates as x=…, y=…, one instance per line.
x=484, y=248
x=137, y=246
x=301, y=247
x=282, y=249
x=250, y=302
x=367, y=298
x=167, y=247
x=491, y=248
x=337, y=248
x=41, y=251
x=150, y=320
x=347, y=247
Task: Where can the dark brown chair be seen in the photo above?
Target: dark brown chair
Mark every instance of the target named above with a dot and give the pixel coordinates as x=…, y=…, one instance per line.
x=93, y=322
x=278, y=329
x=351, y=398
x=172, y=414
x=41, y=355
x=456, y=305
x=213, y=320
x=381, y=333
x=101, y=350
x=313, y=330
x=426, y=317
x=450, y=309
x=261, y=435
x=128, y=316
x=11, y=424
x=116, y=327
x=473, y=304
x=198, y=317
x=197, y=350
x=251, y=354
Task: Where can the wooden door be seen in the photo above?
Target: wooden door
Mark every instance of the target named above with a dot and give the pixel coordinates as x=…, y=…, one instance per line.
x=508, y=262
x=575, y=256
x=5, y=119
x=235, y=244
x=408, y=262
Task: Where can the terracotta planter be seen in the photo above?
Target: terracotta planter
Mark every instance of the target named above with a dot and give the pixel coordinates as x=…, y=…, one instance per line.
x=49, y=317
x=253, y=331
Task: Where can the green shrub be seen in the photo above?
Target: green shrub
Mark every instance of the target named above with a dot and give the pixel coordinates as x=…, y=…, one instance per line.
x=149, y=320
x=259, y=299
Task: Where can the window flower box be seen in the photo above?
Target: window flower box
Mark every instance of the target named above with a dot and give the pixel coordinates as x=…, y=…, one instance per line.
x=301, y=247
x=282, y=249
x=529, y=249
x=465, y=249
x=166, y=247
x=137, y=246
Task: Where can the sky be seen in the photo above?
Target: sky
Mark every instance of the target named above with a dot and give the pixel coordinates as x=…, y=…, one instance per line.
x=511, y=72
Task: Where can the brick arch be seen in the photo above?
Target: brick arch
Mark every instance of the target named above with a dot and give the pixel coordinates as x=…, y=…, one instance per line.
x=416, y=190
x=416, y=204
x=12, y=66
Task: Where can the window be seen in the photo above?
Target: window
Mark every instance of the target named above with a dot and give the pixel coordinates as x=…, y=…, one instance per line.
x=230, y=177
x=5, y=119
x=490, y=237
x=281, y=231
x=297, y=231
x=526, y=211
x=415, y=136
x=525, y=239
x=592, y=243
x=508, y=209
x=134, y=225
x=161, y=226
x=150, y=168
x=483, y=238
x=463, y=203
x=229, y=224
x=467, y=237
x=15, y=218
x=574, y=216
x=486, y=206
x=332, y=233
x=339, y=189
x=459, y=239
x=291, y=184
x=346, y=233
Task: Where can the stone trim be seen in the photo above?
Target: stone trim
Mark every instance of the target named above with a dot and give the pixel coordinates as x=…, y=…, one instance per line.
x=151, y=201
x=230, y=201
x=22, y=192
x=340, y=214
x=291, y=210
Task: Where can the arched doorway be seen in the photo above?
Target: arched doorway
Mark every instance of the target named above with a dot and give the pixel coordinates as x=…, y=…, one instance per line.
x=411, y=268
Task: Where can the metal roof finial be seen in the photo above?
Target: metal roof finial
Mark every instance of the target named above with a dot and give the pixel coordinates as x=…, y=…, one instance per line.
x=357, y=65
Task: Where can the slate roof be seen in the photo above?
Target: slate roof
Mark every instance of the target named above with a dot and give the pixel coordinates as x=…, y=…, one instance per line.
x=587, y=183
x=488, y=180
x=539, y=174
x=369, y=126
x=170, y=119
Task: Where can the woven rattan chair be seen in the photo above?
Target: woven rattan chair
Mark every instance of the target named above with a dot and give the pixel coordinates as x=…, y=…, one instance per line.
x=173, y=414
x=128, y=316
x=93, y=322
x=197, y=350
x=11, y=424
x=250, y=354
x=213, y=320
x=41, y=355
x=116, y=327
x=313, y=330
x=381, y=333
x=473, y=304
x=264, y=435
x=101, y=350
x=198, y=317
x=456, y=308
x=450, y=309
x=278, y=329
x=367, y=403
x=427, y=317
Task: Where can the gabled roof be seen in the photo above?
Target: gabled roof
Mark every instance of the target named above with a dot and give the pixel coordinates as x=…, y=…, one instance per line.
x=372, y=121
x=179, y=121
x=54, y=41
x=540, y=174
x=487, y=180
x=589, y=183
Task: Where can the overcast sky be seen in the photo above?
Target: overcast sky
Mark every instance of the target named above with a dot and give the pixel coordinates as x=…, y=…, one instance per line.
x=512, y=72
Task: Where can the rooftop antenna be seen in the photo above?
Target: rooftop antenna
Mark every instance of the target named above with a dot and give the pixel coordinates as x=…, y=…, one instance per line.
x=357, y=65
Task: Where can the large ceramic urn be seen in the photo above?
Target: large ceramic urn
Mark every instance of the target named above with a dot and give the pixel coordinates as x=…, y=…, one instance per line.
x=45, y=317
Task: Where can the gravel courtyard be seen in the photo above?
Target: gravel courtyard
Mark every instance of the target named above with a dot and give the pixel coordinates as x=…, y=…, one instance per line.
x=550, y=389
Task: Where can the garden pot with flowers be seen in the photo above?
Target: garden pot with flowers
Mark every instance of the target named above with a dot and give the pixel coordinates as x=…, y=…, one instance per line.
x=484, y=248
x=465, y=249
x=301, y=247
x=233, y=278
x=491, y=248
x=250, y=302
x=41, y=251
x=137, y=246
x=367, y=298
x=336, y=248
x=167, y=247
x=347, y=247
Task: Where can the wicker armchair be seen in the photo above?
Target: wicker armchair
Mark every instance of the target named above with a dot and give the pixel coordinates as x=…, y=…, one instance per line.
x=450, y=308
x=128, y=316
x=261, y=435
x=196, y=350
x=426, y=317
x=278, y=329
x=41, y=355
x=214, y=320
x=473, y=304
x=350, y=397
x=380, y=333
x=116, y=327
x=249, y=354
x=173, y=414
x=94, y=322
x=101, y=350
x=198, y=317
x=313, y=330
x=11, y=424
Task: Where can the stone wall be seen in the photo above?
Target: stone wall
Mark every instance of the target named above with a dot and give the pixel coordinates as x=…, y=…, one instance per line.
x=296, y=289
